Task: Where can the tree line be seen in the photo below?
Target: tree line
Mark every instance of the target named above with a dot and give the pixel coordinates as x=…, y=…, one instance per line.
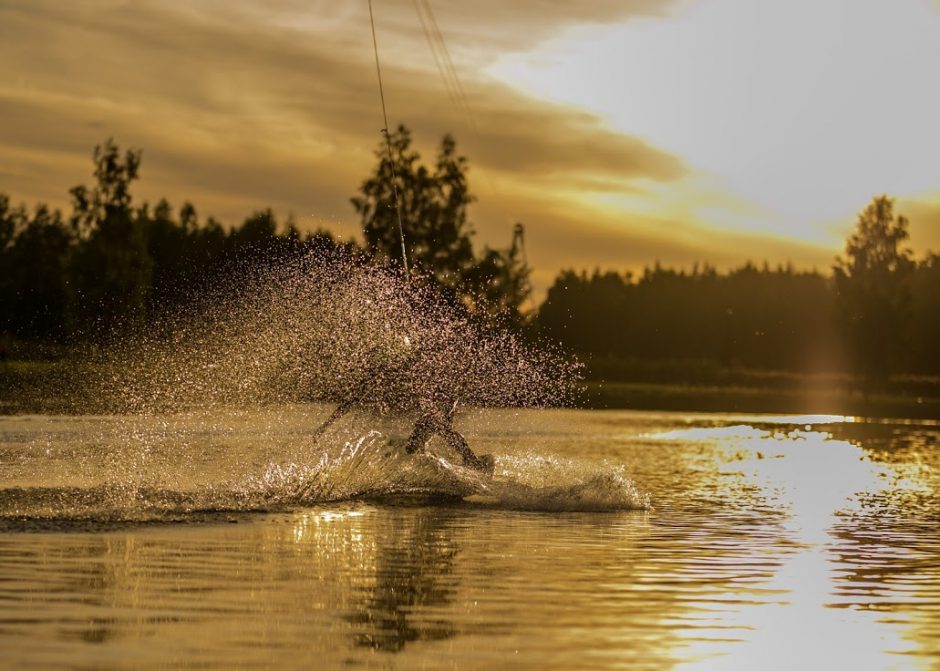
x=877, y=314
x=114, y=265
x=113, y=262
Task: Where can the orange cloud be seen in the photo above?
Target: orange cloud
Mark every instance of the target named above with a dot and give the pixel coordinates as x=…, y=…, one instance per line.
x=239, y=105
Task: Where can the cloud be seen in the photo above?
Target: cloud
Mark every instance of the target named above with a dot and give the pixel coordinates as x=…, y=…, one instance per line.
x=924, y=217
x=230, y=103
x=491, y=24
x=562, y=234
x=519, y=25
x=239, y=105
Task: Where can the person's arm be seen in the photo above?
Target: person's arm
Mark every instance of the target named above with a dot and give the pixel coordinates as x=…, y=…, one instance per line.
x=345, y=405
x=341, y=410
x=371, y=377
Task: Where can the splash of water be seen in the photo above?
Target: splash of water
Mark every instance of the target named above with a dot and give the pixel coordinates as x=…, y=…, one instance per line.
x=366, y=467
x=326, y=327
x=322, y=328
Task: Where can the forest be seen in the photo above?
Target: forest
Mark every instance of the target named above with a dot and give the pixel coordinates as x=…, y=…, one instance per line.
x=113, y=264
x=766, y=318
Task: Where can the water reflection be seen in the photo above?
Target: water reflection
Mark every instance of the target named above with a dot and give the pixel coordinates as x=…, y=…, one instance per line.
x=822, y=482
x=414, y=573
x=770, y=545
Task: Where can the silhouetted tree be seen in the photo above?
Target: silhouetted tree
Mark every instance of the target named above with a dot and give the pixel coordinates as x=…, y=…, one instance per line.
x=12, y=220
x=734, y=319
x=925, y=326
x=42, y=250
x=589, y=314
x=32, y=284
x=498, y=284
x=437, y=231
x=171, y=249
x=873, y=290
x=433, y=209
x=111, y=194
x=111, y=269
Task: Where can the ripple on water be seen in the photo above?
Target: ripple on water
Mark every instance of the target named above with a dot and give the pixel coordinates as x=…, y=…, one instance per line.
x=744, y=550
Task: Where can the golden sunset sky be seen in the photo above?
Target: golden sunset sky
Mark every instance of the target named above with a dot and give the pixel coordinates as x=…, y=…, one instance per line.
x=621, y=132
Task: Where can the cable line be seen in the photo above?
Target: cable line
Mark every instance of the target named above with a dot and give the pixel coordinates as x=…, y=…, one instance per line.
x=458, y=97
x=388, y=147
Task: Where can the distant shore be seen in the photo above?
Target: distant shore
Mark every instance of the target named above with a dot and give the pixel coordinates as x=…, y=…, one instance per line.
x=738, y=399
x=57, y=387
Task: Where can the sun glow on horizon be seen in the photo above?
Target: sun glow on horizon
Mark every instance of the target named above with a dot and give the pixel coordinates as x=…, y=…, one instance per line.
x=790, y=116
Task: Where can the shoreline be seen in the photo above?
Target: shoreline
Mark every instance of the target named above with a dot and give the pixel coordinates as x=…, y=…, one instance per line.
x=741, y=399
x=55, y=388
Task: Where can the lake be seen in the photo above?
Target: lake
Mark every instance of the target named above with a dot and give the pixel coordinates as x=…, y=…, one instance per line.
x=606, y=540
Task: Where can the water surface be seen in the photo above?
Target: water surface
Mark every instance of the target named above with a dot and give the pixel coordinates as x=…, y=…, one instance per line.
x=232, y=540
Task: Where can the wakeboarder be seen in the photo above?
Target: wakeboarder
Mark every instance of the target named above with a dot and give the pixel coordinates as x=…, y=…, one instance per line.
x=436, y=411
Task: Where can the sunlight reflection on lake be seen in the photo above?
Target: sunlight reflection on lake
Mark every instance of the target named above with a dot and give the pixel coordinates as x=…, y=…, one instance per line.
x=817, y=480
x=772, y=543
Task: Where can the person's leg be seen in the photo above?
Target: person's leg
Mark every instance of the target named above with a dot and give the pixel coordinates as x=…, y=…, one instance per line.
x=459, y=444
x=420, y=435
x=341, y=410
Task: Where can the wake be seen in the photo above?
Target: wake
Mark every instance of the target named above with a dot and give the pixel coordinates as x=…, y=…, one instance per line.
x=367, y=468
x=370, y=468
